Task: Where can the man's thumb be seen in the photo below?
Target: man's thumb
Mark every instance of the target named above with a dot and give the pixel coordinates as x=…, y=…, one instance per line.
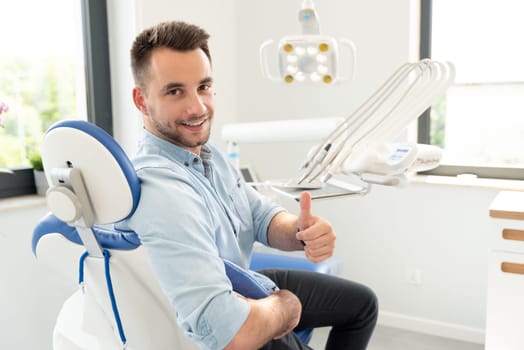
x=305, y=218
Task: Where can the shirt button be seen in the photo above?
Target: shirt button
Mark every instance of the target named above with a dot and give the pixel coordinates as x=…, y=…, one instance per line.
x=186, y=163
x=195, y=160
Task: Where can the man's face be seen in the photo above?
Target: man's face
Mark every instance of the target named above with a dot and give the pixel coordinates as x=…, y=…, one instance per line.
x=177, y=102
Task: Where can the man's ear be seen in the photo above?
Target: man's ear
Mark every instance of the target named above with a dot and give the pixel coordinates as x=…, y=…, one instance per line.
x=140, y=100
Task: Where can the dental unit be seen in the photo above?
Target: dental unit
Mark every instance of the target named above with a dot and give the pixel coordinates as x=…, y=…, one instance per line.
x=363, y=143
x=411, y=89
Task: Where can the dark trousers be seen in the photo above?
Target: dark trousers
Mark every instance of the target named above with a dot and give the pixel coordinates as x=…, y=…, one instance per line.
x=349, y=308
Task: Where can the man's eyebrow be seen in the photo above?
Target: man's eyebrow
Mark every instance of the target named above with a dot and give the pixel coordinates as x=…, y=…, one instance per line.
x=170, y=86
x=206, y=80
x=175, y=85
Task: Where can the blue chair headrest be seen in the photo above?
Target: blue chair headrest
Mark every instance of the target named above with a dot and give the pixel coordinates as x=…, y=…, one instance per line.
x=105, y=166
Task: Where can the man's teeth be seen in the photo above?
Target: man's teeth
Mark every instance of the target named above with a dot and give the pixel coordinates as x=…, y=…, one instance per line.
x=194, y=124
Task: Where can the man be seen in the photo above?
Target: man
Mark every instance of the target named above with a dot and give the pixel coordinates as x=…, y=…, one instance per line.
x=195, y=210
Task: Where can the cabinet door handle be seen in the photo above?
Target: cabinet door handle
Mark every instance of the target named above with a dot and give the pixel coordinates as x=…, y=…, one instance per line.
x=512, y=234
x=512, y=268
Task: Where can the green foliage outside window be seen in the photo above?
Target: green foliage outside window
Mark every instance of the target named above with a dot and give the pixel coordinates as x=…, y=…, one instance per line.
x=38, y=93
x=438, y=123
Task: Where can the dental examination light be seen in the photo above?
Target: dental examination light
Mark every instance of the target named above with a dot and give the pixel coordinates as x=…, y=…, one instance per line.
x=310, y=57
x=411, y=89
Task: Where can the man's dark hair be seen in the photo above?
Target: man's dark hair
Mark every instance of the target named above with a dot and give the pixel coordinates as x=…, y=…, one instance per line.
x=179, y=36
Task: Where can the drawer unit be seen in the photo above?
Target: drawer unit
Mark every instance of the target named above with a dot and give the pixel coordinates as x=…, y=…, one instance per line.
x=505, y=304
x=505, y=307
x=508, y=236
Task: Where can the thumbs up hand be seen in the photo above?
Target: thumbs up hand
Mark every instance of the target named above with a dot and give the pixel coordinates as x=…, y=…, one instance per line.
x=305, y=218
x=316, y=234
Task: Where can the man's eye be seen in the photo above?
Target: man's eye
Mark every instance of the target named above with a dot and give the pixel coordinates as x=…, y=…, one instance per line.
x=174, y=92
x=205, y=87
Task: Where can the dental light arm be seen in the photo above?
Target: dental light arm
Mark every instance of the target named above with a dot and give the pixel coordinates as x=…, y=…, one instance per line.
x=308, y=17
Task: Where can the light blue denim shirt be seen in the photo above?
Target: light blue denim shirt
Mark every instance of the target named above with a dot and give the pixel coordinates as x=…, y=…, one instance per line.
x=193, y=212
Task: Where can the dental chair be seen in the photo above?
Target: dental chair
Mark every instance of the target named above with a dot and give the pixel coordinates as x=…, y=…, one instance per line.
x=119, y=303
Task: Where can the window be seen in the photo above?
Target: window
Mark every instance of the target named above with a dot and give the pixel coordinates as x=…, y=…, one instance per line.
x=55, y=65
x=42, y=79
x=480, y=121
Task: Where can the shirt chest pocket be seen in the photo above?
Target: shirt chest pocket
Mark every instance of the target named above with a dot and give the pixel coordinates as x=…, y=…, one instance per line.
x=239, y=205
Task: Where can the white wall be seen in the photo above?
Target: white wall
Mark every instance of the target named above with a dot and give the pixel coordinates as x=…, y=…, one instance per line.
x=30, y=297
x=122, y=27
x=443, y=232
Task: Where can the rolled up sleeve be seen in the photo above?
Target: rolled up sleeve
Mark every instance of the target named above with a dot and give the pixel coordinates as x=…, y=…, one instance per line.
x=226, y=313
x=262, y=210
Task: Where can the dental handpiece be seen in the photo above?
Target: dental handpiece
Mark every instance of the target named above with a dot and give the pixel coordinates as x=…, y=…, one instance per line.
x=316, y=161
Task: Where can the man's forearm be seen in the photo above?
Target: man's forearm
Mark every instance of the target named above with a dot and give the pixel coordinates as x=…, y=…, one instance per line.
x=282, y=232
x=268, y=318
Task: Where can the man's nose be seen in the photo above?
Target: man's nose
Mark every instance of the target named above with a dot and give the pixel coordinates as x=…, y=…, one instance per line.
x=196, y=104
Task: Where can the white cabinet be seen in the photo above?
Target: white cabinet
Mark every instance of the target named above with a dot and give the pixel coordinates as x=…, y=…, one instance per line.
x=505, y=304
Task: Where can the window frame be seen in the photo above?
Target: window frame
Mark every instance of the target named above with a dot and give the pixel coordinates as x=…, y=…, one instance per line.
x=424, y=121
x=98, y=90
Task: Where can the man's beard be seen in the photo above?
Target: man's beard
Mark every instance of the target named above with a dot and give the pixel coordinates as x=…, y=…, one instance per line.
x=177, y=138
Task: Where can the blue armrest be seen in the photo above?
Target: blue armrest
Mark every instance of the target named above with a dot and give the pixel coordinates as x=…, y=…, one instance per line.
x=244, y=284
x=260, y=261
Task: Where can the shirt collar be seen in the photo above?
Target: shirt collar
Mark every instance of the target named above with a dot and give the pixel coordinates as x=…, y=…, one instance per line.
x=177, y=153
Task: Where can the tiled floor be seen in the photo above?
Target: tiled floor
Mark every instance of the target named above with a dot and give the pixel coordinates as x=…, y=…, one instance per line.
x=385, y=338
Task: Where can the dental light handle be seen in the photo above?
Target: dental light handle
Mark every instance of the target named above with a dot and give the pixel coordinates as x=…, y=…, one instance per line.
x=352, y=52
x=264, y=65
